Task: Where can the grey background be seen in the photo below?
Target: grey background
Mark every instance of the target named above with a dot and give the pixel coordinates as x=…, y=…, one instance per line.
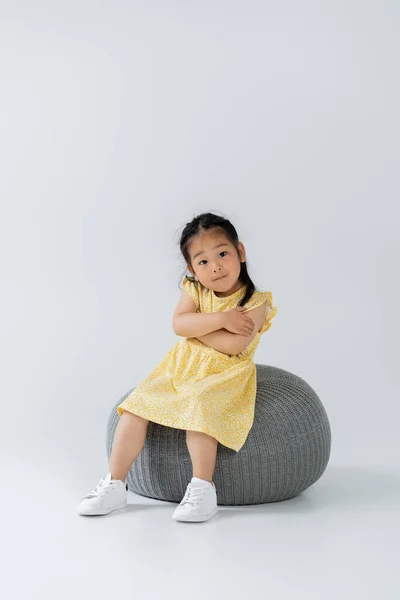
x=119, y=123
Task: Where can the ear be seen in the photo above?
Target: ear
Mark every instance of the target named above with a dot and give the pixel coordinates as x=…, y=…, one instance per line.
x=191, y=270
x=242, y=251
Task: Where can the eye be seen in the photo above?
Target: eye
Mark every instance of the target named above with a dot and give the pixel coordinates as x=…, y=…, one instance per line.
x=223, y=251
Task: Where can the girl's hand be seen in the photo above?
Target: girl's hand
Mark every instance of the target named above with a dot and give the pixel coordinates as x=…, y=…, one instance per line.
x=236, y=321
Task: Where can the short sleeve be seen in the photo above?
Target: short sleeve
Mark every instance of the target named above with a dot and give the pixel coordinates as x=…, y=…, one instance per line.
x=257, y=299
x=270, y=313
x=191, y=288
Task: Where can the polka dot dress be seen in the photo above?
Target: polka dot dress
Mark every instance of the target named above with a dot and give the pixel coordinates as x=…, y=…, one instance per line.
x=198, y=388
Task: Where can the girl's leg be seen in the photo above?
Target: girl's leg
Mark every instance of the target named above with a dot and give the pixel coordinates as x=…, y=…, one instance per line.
x=128, y=442
x=203, y=452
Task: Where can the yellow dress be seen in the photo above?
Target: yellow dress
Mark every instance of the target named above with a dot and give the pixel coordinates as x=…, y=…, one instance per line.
x=198, y=388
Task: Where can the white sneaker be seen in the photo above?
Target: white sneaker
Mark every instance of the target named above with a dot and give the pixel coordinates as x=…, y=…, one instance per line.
x=108, y=495
x=199, y=502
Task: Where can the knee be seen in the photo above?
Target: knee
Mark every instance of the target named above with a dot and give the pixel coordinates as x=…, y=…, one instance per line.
x=134, y=417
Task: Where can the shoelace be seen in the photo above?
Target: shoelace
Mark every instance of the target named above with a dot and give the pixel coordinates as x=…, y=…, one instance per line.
x=193, y=495
x=99, y=489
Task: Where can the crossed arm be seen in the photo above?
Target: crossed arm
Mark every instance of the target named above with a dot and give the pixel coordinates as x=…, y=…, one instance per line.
x=234, y=343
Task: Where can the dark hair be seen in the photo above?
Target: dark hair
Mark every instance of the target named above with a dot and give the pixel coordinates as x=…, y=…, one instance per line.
x=205, y=222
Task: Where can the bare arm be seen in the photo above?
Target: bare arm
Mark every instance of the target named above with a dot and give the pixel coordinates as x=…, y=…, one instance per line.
x=192, y=324
x=224, y=341
x=235, y=343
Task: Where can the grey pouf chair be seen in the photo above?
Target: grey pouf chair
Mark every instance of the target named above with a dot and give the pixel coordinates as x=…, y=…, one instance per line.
x=286, y=450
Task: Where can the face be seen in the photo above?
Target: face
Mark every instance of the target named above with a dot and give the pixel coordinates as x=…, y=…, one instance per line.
x=215, y=262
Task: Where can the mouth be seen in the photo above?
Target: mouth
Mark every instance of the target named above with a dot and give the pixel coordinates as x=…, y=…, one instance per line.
x=219, y=278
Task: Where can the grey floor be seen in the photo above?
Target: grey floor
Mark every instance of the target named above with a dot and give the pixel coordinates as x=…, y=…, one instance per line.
x=339, y=539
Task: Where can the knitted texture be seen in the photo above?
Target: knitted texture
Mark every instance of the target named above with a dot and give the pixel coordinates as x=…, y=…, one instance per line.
x=286, y=450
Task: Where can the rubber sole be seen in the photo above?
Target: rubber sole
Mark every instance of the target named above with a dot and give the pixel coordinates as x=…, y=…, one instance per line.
x=195, y=518
x=95, y=511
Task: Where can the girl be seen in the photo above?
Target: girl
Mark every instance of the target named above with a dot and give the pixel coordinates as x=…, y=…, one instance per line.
x=206, y=384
